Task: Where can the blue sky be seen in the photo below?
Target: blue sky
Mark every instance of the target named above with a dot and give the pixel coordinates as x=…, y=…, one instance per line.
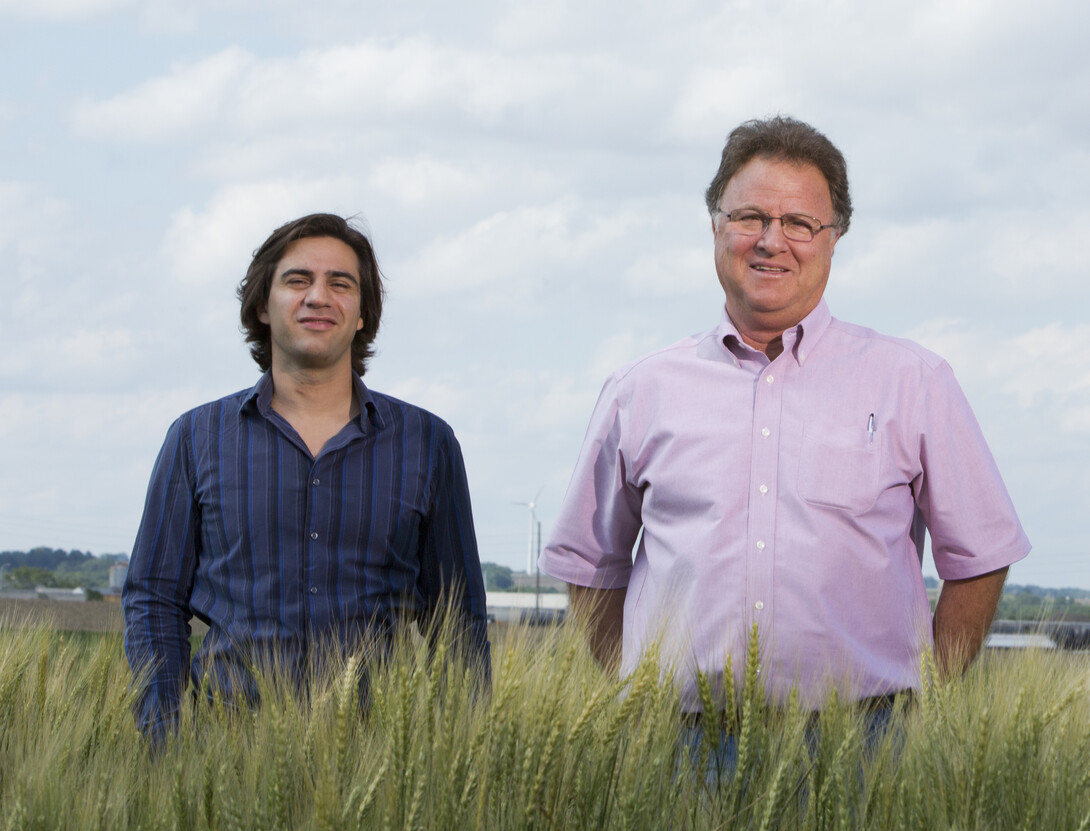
x=532, y=176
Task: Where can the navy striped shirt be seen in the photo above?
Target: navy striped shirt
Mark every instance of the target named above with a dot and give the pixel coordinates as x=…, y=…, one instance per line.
x=274, y=548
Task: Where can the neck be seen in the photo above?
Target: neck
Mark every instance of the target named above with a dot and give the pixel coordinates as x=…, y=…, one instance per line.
x=769, y=342
x=326, y=392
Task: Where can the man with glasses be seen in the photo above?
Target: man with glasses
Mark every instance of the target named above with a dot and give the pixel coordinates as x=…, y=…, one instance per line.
x=779, y=471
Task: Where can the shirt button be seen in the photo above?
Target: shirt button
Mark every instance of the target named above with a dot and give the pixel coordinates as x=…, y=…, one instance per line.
x=763, y=489
x=766, y=432
x=759, y=605
x=760, y=545
x=315, y=482
x=313, y=589
x=768, y=378
x=314, y=535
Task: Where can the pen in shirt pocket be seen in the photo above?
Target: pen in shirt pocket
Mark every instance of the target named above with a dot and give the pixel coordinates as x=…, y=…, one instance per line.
x=870, y=429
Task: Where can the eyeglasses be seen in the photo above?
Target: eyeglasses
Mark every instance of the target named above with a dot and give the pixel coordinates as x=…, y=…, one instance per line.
x=797, y=227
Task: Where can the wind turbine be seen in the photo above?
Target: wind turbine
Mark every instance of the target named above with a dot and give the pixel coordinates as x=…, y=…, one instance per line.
x=531, y=561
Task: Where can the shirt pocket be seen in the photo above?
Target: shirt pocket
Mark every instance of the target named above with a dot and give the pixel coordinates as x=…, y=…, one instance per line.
x=840, y=467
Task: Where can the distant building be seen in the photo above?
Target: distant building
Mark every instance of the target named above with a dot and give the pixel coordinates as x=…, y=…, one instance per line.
x=117, y=575
x=527, y=582
x=64, y=595
x=1021, y=640
x=18, y=594
x=526, y=607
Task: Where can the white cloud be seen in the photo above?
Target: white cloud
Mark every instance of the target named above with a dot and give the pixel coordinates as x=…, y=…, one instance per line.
x=909, y=248
x=98, y=352
x=531, y=24
x=427, y=181
x=191, y=96
x=519, y=245
x=29, y=217
x=245, y=158
x=551, y=403
x=1076, y=419
x=1049, y=362
x=216, y=243
x=673, y=273
x=365, y=85
x=1047, y=263
x=715, y=97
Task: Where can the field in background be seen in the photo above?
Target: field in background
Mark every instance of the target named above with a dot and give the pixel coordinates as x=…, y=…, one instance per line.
x=74, y=617
x=84, y=617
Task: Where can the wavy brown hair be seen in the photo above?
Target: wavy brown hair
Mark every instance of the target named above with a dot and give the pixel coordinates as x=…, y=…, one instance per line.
x=785, y=139
x=253, y=291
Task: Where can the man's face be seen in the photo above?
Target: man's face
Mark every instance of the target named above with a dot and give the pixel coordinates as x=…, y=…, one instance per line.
x=313, y=310
x=771, y=282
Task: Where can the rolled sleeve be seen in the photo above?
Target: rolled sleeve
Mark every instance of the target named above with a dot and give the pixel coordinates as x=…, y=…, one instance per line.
x=599, y=522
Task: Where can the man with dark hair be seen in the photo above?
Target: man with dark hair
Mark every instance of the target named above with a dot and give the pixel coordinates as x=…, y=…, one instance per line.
x=779, y=471
x=305, y=513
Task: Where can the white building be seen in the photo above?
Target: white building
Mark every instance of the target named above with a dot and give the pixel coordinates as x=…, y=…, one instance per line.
x=117, y=575
x=527, y=607
x=64, y=595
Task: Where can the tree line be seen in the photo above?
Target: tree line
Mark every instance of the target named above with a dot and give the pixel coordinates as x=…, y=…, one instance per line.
x=56, y=568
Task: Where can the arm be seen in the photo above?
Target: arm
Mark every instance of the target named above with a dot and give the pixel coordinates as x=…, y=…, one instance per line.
x=450, y=566
x=975, y=532
x=157, y=588
x=590, y=548
x=962, y=617
x=600, y=613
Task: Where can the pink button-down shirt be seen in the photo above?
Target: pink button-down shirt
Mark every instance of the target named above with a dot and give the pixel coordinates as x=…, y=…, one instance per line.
x=792, y=494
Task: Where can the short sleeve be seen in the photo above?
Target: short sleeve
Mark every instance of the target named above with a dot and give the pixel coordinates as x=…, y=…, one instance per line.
x=961, y=496
x=592, y=539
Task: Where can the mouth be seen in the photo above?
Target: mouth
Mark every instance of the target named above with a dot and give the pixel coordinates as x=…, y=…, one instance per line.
x=765, y=268
x=316, y=323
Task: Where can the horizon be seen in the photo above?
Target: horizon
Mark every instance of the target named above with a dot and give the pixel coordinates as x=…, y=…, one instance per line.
x=928, y=578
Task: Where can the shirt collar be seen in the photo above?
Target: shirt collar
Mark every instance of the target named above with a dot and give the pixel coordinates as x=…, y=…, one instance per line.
x=798, y=341
x=258, y=399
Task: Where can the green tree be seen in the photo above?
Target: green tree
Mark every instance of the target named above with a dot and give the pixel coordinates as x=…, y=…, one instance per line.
x=29, y=577
x=496, y=577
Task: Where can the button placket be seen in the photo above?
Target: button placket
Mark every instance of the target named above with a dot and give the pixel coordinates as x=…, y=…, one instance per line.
x=765, y=450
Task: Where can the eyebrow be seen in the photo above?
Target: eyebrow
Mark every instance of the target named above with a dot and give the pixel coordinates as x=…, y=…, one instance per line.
x=306, y=272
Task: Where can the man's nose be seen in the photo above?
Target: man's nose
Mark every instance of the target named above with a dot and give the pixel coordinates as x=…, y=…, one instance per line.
x=318, y=294
x=772, y=238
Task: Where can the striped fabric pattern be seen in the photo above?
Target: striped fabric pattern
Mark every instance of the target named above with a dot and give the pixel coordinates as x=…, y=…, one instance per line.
x=275, y=549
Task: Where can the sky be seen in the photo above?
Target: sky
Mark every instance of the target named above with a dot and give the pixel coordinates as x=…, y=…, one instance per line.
x=532, y=177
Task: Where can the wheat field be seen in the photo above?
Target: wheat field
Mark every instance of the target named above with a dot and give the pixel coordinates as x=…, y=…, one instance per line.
x=557, y=744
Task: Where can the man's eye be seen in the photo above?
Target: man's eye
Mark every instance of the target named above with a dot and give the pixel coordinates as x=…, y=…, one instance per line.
x=800, y=222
